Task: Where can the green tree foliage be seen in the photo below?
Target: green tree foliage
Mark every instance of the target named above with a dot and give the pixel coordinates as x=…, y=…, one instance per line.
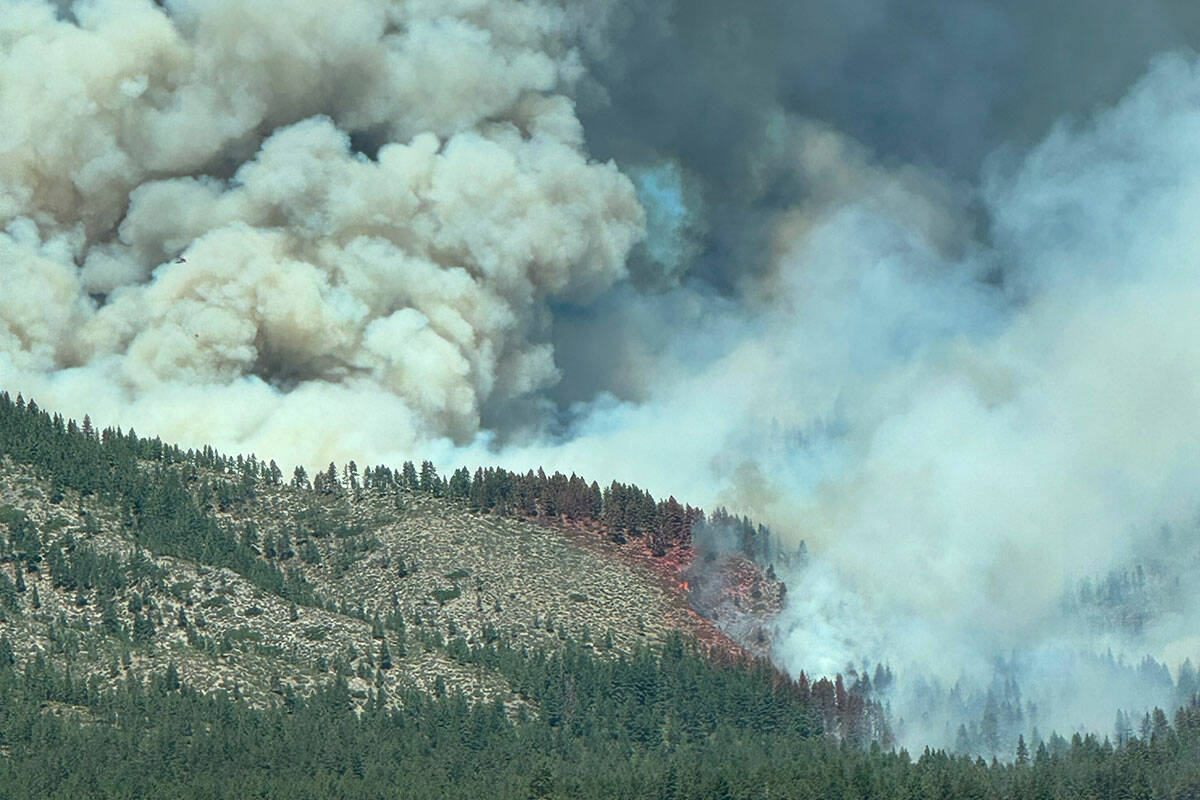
x=666, y=723
x=622, y=510
x=148, y=481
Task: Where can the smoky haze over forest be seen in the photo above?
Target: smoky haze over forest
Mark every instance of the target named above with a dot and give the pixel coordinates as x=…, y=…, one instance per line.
x=914, y=282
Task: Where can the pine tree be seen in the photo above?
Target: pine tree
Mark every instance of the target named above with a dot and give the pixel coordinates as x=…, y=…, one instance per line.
x=300, y=478
x=429, y=481
x=385, y=655
x=408, y=475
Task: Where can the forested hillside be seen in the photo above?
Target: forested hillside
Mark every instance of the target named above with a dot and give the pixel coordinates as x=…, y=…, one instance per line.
x=182, y=623
x=148, y=552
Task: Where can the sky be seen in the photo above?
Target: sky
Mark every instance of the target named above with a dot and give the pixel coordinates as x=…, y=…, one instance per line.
x=913, y=282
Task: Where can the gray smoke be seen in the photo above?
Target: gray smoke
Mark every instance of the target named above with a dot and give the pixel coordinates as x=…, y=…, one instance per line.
x=707, y=90
x=961, y=429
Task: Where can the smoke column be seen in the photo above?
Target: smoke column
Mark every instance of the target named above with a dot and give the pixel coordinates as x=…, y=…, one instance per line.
x=267, y=225
x=914, y=284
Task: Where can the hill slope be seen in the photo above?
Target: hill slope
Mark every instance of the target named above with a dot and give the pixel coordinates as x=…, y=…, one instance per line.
x=121, y=555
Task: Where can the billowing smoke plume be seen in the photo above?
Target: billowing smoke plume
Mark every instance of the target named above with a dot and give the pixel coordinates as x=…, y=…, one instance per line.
x=914, y=284
x=269, y=224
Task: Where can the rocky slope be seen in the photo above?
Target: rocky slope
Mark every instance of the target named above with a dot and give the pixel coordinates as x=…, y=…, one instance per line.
x=398, y=580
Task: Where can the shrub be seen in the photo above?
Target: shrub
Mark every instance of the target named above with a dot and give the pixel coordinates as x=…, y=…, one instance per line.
x=445, y=595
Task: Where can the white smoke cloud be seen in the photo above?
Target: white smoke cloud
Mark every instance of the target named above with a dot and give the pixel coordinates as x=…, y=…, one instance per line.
x=1009, y=453
x=180, y=188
